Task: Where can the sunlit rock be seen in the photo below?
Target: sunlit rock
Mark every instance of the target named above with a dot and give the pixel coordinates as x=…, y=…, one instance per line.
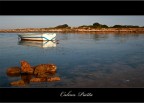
x=45, y=68
x=26, y=68
x=18, y=83
x=13, y=71
x=28, y=73
x=51, y=79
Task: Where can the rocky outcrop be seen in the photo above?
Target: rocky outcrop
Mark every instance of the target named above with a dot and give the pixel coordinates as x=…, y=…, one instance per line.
x=74, y=29
x=26, y=68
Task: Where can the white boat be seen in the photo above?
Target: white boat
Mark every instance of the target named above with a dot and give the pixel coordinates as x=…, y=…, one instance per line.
x=41, y=44
x=37, y=36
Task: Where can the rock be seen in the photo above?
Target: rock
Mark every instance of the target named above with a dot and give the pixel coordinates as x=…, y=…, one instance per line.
x=45, y=68
x=41, y=75
x=18, y=83
x=26, y=68
x=13, y=71
x=26, y=78
x=38, y=80
x=53, y=79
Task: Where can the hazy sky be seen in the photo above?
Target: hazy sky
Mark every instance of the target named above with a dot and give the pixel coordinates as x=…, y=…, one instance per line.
x=10, y=22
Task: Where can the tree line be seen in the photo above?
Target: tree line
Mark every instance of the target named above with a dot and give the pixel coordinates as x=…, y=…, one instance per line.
x=98, y=25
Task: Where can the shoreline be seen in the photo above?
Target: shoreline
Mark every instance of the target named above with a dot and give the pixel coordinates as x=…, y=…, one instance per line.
x=61, y=30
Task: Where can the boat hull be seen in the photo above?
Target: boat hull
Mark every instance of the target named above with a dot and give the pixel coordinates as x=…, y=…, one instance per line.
x=37, y=36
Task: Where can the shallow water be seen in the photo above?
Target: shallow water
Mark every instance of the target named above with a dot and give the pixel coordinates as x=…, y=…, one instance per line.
x=83, y=60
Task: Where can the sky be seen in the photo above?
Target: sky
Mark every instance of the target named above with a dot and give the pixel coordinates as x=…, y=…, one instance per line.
x=13, y=22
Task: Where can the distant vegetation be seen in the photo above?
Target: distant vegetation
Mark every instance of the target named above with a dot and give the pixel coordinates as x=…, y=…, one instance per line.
x=63, y=26
x=125, y=26
x=97, y=25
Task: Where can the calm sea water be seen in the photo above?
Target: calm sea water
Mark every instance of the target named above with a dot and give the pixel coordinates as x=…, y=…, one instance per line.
x=83, y=60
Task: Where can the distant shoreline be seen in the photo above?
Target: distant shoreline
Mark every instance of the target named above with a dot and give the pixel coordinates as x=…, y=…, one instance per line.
x=129, y=30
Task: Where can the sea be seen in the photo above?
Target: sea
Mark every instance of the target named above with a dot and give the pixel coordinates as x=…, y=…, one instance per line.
x=83, y=60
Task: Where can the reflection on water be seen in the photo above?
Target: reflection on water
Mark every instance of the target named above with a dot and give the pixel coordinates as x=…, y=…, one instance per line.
x=41, y=44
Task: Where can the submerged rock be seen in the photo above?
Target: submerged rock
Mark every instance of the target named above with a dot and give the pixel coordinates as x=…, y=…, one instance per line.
x=13, y=71
x=18, y=83
x=50, y=79
x=53, y=79
x=14, y=75
x=38, y=80
x=26, y=78
x=42, y=75
x=45, y=68
x=26, y=68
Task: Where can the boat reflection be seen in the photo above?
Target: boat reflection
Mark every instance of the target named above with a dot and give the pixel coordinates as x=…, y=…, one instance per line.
x=41, y=44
